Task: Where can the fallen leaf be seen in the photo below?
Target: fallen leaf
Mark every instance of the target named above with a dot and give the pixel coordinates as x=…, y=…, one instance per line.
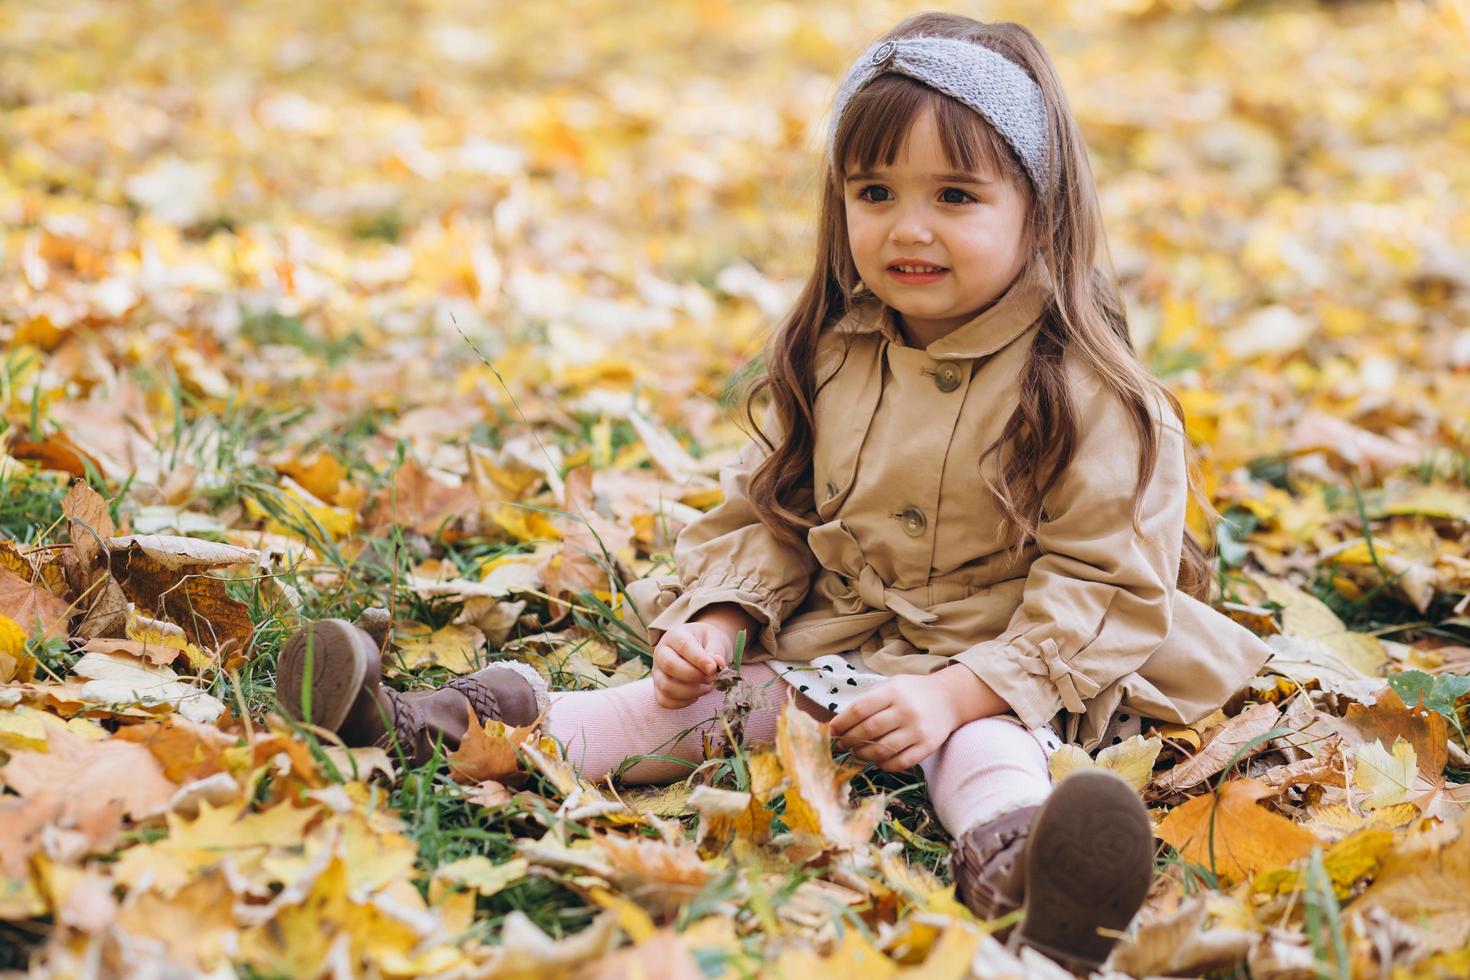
x=1246, y=837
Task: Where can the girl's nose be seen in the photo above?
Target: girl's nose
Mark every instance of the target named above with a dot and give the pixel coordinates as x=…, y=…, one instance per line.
x=910, y=226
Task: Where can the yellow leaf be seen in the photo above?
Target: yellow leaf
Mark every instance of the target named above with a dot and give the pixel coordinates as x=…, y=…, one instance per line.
x=1425, y=880
x=1306, y=617
x=157, y=632
x=15, y=662
x=855, y=956
x=1338, y=819
x=231, y=833
x=1387, y=777
x=457, y=646
x=1132, y=759
x=301, y=509
x=482, y=875
x=633, y=919
x=1350, y=859
x=524, y=524
x=817, y=802
x=23, y=728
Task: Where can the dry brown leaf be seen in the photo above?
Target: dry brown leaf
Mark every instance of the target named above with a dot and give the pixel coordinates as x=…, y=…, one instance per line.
x=1221, y=745
x=1326, y=768
x=420, y=501
x=1389, y=718
x=1178, y=944
x=32, y=605
x=817, y=799
x=488, y=793
x=22, y=820
x=168, y=576
x=91, y=525
x=1426, y=880
x=582, y=560
x=656, y=874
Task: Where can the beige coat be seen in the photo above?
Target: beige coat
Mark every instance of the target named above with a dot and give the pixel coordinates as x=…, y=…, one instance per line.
x=905, y=567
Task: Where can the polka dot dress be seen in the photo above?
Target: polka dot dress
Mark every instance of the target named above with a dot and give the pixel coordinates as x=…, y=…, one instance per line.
x=836, y=680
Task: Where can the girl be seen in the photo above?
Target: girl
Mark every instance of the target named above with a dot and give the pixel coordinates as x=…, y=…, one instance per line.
x=967, y=524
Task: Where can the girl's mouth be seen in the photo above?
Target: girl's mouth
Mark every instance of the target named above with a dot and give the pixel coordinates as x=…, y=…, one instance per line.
x=917, y=275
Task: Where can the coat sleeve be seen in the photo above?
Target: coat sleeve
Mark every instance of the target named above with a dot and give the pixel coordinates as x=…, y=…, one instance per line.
x=728, y=555
x=1098, y=598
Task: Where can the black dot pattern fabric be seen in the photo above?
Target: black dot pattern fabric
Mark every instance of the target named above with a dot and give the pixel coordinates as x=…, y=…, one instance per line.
x=836, y=681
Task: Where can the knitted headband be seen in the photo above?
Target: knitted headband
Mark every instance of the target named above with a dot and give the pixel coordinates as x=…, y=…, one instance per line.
x=982, y=79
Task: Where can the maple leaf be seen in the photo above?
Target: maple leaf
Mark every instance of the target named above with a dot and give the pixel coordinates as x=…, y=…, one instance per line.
x=32, y=605
x=1246, y=837
x=90, y=775
x=1388, y=776
x=1133, y=759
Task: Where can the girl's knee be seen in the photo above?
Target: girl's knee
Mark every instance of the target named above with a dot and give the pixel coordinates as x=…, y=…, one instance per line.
x=995, y=736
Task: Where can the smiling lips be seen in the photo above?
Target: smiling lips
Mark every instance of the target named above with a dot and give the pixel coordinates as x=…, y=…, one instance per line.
x=917, y=273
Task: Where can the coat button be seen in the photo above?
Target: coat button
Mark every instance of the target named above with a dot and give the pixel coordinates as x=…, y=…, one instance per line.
x=913, y=521
x=947, y=376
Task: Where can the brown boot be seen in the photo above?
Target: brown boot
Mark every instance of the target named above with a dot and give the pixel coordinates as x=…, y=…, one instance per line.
x=1084, y=863
x=329, y=673
x=988, y=871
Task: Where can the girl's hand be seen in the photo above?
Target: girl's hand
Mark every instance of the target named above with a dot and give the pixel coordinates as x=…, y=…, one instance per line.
x=685, y=660
x=898, y=723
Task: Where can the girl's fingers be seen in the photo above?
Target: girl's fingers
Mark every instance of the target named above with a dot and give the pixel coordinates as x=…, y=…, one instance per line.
x=680, y=689
x=698, y=653
x=871, y=728
x=675, y=666
x=692, y=652
x=859, y=711
x=883, y=750
x=906, y=759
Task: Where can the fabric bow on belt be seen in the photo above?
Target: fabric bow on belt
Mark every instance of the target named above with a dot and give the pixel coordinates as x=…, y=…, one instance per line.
x=837, y=550
x=1072, y=685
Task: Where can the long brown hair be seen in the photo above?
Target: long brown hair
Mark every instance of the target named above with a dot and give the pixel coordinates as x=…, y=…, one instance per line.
x=1084, y=316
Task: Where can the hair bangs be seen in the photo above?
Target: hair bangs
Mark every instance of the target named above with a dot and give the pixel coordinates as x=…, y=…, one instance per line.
x=880, y=116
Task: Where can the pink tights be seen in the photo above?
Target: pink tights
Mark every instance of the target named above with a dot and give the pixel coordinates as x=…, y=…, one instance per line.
x=982, y=770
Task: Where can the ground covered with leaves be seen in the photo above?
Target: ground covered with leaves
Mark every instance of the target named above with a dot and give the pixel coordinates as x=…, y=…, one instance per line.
x=431, y=308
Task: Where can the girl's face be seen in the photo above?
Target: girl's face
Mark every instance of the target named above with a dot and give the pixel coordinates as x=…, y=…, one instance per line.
x=969, y=225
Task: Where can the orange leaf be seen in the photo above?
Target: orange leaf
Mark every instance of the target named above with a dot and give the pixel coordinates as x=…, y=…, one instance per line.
x=1248, y=838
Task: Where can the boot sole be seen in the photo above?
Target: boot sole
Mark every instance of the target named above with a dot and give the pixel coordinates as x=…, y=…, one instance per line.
x=1089, y=863
x=324, y=659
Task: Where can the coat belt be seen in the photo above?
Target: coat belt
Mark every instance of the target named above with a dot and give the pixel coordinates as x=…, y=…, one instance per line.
x=838, y=551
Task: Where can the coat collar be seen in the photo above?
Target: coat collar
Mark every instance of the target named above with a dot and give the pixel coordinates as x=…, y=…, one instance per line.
x=1018, y=308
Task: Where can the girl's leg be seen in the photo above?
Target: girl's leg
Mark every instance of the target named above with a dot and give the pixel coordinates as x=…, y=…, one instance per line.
x=984, y=769
x=602, y=728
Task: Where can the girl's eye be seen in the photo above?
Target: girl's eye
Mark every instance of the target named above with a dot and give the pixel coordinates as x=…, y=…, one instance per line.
x=965, y=198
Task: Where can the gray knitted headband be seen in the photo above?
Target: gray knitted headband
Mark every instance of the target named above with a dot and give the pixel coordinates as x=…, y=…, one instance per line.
x=982, y=79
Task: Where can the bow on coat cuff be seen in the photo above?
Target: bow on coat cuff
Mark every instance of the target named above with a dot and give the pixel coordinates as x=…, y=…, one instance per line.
x=1072, y=685
x=1034, y=680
